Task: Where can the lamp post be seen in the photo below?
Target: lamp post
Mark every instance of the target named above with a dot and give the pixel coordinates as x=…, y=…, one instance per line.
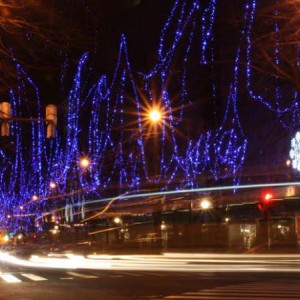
x=154, y=118
x=164, y=235
x=205, y=206
x=119, y=232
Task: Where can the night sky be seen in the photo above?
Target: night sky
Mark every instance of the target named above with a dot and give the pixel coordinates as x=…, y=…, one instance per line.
x=96, y=27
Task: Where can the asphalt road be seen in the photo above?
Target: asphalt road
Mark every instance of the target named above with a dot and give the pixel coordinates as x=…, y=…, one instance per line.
x=22, y=283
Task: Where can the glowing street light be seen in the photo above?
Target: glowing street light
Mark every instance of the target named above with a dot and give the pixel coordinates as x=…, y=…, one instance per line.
x=155, y=115
x=84, y=162
x=163, y=225
x=117, y=220
x=205, y=204
x=35, y=198
x=52, y=185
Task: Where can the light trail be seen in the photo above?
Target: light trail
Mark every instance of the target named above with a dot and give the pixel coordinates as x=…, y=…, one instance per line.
x=169, y=262
x=197, y=190
x=126, y=196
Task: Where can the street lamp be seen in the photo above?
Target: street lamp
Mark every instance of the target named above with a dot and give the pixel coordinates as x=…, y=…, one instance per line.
x=117, y=220
x=155, y=115
x=52, y=185
x=84, y=162
x=153, y=121
x=163, y=226
x=205, y=204
x=35, y=198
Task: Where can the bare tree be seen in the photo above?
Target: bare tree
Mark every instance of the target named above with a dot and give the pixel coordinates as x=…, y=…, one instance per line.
x=275, y=50
x=34, y=32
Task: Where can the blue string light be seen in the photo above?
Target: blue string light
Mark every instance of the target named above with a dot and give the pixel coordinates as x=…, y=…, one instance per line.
x=106, y=120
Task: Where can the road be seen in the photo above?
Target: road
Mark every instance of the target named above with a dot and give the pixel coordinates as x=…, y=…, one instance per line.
x=255, y=278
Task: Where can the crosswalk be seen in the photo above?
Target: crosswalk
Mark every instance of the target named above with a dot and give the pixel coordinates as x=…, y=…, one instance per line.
x=255, y=290
x=275, y=290
x=19, y=277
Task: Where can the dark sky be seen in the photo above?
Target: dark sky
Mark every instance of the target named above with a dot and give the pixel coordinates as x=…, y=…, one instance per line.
x=98, y=28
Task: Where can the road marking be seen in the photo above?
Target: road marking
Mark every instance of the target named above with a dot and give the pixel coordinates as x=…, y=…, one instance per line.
x=247, y=294
x=67, y=278
x=81, y=275
x=259, y=291
x=10, y=278
x=33, y=277
x=221, y=297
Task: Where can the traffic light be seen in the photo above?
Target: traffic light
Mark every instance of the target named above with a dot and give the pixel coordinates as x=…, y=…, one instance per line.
x=265, y=201
x=267, y=197
x=51, y=119
x=5, y=118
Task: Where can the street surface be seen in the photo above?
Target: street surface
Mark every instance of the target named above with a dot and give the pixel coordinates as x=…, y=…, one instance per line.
x=169, y=276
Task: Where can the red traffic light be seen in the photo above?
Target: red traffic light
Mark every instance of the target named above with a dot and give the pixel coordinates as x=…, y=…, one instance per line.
x=267, y=197
x=266, y=201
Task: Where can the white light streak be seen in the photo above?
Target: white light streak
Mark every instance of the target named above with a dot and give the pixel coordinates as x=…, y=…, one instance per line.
x=170, y=262
x=197, y=190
